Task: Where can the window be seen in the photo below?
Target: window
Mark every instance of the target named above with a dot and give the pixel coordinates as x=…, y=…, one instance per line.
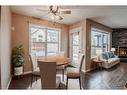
x=44, y=41
x=99, y=41
x=75, y=47
x=52, y=42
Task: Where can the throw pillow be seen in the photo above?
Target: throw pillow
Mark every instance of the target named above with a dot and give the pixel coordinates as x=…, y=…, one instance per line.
x=104, y=55
x=113, y=55
x=110, y=54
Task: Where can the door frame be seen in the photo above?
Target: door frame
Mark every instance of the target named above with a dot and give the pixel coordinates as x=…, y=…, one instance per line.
x=75, y=30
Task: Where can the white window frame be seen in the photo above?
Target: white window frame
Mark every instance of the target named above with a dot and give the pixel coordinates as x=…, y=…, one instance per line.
x=46, y=42
x=101, y=31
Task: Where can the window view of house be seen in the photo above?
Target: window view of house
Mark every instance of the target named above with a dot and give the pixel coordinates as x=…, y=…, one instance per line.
x=53, y=41
x=44, y=41
x=75, y=47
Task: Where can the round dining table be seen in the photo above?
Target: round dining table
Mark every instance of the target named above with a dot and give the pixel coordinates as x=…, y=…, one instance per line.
x=60, y=60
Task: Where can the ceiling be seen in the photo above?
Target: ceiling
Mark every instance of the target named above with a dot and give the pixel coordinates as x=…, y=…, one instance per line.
x=112, y=16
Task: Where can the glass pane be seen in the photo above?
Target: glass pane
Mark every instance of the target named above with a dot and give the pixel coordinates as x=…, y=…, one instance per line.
x=75, y=53
x=96, y=39
x=37, y=41
x=37, y=35
x=38, y=48
x=75, y=48
x=105, y=42
x=96, y=42
x=75, y=39
x=52, y=48
x=52, y=36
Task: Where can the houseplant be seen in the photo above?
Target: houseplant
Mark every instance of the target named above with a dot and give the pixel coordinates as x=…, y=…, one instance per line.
x=18, y=59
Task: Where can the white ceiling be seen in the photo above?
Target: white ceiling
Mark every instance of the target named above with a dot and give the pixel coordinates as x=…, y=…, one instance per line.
x=112, y=16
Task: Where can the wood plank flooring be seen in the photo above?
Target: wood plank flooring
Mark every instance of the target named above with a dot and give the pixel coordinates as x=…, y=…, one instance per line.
x=114, y=78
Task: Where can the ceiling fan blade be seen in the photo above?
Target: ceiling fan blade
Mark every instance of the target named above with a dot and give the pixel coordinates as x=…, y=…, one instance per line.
x=65, y=12
x=60, y=18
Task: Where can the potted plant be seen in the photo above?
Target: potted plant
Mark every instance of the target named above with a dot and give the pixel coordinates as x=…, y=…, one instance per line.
x=18, y=59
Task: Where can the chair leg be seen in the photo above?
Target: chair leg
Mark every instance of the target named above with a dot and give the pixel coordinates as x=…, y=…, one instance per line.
x=36, y=78
x=59, y=87
x=67, y=83
x=31, y=79
x=80, y=83
x=63, y=74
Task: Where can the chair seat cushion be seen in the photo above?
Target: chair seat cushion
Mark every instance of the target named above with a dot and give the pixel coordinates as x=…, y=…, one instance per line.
x=105, y=55
x=112, y=60
x=72, y=72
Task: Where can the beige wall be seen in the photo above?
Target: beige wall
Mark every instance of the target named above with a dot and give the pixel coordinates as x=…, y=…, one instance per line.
x=75, y=25
x=20, y=34
x=5, y=46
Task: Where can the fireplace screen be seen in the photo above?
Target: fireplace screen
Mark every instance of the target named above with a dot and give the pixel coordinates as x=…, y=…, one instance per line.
x=122, y=51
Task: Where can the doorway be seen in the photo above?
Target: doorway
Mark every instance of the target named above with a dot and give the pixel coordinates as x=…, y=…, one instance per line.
x=75, y=45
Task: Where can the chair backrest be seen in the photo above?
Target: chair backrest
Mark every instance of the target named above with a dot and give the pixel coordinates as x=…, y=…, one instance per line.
x=48, y=74
x=33, y=60
x=81, y=59
x=60, y=57
x=61, y=54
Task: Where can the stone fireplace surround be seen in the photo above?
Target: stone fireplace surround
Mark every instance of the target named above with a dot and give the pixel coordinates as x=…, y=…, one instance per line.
x=122, y=52
x=119, y=41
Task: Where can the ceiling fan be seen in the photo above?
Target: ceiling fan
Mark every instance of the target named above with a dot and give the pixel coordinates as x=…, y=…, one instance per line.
x=56, y=12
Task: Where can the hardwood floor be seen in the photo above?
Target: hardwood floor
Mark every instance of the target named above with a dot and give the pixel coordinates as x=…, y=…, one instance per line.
x=22, y=82
x=114, y=78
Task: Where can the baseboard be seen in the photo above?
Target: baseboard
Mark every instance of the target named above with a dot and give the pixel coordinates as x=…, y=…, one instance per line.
x=9, y=83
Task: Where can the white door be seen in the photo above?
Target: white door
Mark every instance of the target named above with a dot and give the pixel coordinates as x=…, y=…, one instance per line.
x=75, y=45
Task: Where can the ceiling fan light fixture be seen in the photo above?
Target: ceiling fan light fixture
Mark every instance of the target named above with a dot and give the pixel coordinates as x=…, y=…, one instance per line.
x=55, y=12
x=57, y=17
x=54, y=9
x=52, y=16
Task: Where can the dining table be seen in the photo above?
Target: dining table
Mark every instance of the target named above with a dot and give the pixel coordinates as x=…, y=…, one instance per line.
x=60, y=60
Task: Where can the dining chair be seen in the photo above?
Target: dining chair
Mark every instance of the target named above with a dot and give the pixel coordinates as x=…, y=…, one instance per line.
x=49, y=79
x=75, y=73
x=61, y=67
x=35, y=69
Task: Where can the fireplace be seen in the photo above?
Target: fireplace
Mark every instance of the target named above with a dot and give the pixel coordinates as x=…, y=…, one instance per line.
x=122, y=52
